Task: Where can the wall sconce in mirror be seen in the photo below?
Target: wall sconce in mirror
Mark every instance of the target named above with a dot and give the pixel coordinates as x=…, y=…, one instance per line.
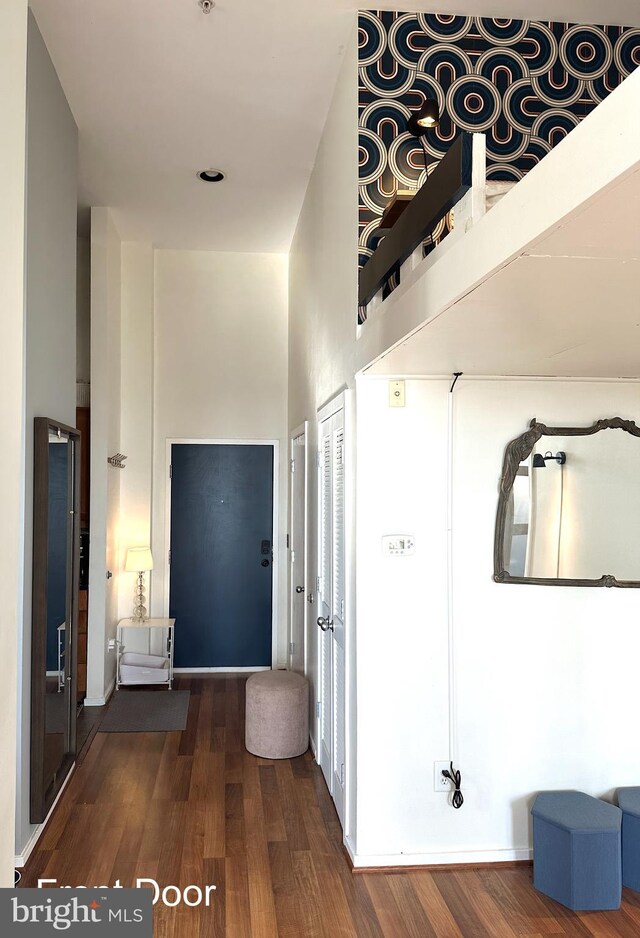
x=540, y=462
x=577, y=527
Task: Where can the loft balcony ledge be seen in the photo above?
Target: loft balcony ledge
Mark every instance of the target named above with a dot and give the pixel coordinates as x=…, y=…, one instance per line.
x=590, y=162
x=442, y=190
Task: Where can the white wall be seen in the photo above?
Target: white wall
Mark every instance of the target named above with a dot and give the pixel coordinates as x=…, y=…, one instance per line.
x=83, y=310
x=402, y=612
x=536, y=669
x=323, y=263
x=105, y=548
x=13, y=77
x=50, y=297
x=137, y=408
x=323, y=294
x=220, y=373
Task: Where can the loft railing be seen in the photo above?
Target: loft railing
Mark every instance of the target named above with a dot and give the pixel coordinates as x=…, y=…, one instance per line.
x=446, y=185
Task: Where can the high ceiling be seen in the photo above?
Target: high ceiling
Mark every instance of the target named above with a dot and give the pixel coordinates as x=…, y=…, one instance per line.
x=159, y=90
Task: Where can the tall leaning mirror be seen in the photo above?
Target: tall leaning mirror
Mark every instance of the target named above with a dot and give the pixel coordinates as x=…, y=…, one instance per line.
x=569, y=506
x=55, y=610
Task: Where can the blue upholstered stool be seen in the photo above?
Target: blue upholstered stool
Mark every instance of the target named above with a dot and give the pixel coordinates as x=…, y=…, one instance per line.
x=576, y=850
x=629, y=801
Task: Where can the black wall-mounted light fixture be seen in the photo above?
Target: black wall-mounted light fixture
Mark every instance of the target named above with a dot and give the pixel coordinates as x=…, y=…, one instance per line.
x=540, y=462
x=423, y=120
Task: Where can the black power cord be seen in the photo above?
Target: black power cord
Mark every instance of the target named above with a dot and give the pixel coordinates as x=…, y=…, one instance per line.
x=455, y=778
x=456, y=375
x=426, y=161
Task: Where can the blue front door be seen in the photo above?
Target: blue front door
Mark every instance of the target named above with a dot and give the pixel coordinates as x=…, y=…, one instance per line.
x=221, y=554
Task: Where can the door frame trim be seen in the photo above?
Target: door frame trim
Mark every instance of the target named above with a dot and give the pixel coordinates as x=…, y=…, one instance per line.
x=275, y=535
x=299, y=431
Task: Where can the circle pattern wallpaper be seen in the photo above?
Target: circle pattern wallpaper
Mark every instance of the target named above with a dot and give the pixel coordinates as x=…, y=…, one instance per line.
x=524, y=84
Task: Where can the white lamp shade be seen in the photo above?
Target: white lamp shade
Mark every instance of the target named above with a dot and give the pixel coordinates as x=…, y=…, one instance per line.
x=138, y=558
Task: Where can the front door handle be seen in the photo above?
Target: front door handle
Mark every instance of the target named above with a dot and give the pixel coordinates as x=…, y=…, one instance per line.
x=326, y=624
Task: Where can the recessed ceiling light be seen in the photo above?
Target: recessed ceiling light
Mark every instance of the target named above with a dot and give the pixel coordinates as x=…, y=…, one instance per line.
x=211, y=175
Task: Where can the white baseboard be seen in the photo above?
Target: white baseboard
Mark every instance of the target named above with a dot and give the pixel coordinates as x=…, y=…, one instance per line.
x=439, y=859
x=20, y=860
x=312, y=744
x=219, y=670
x=100, y=701
x=350, y=848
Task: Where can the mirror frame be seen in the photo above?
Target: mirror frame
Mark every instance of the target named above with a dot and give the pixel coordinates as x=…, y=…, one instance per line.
x=517, y=451
x=42, y=797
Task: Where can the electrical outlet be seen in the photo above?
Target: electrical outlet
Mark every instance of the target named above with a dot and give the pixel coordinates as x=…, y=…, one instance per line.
x=111, y=644
x=440, y=783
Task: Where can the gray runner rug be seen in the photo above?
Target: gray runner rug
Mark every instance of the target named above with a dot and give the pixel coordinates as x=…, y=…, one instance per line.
x=146, y=712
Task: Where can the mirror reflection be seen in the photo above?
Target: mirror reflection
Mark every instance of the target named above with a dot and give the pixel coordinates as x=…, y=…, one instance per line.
x=56, y=494
x=574, y=509
x=57, y=702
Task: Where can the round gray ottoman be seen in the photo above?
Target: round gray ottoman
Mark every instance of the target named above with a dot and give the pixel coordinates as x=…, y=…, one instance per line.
x=277, y=717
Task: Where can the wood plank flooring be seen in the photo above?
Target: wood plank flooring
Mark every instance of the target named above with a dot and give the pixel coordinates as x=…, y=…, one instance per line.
x=196, y=808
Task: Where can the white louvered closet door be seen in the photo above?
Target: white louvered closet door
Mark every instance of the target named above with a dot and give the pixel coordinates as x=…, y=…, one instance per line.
x=337, y=616
x=331, y=606
x=324, y=603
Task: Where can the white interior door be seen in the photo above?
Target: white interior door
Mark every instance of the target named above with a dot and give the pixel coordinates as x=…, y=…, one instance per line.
x=298, y=551
x=331, y=606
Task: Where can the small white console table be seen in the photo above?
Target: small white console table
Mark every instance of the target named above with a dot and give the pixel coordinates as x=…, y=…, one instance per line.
x=134, y=667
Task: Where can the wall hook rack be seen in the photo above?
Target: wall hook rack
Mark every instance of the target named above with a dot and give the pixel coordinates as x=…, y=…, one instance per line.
x=117, y=460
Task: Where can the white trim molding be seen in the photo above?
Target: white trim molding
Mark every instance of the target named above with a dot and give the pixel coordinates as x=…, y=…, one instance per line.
x=302, y=430
x=21, y=860
x=101, y=701
x=454, y=858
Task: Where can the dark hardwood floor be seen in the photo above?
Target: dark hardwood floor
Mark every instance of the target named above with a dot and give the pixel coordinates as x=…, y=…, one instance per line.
x=196, y=808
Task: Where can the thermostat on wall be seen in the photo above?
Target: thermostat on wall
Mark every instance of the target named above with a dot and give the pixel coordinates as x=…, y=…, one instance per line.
x=398, y=545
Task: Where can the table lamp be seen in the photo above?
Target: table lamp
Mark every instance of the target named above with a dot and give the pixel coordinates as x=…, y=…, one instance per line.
x=138, y=560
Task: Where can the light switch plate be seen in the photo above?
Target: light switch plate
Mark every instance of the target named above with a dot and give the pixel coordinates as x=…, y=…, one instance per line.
x=396, y=394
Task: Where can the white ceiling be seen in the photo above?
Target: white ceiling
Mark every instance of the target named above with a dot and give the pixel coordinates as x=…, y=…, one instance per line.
x=568, y=305
x=159, y=90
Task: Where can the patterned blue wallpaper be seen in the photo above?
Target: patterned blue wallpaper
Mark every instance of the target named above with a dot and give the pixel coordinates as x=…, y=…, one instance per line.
x=525, y=84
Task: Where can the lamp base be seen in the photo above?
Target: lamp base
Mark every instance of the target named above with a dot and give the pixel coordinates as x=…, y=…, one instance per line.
x=139, y=608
